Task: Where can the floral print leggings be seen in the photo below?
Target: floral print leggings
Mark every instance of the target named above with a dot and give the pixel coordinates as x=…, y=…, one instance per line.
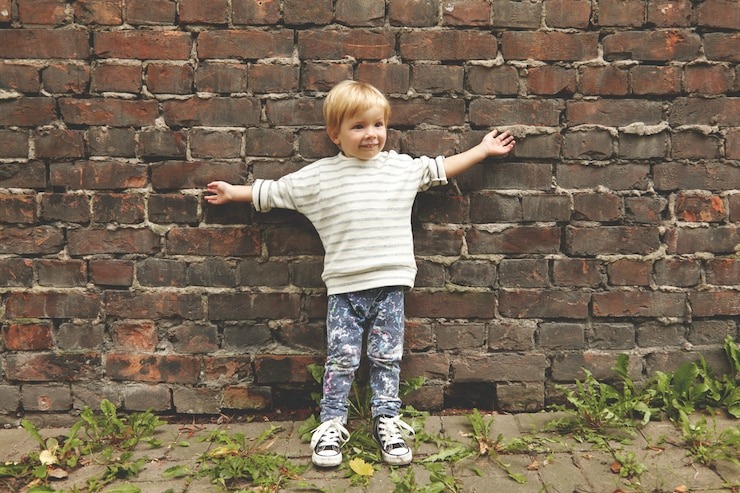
x=379, y=312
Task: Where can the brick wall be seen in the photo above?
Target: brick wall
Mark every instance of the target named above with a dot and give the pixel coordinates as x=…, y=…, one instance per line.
x=614, y=227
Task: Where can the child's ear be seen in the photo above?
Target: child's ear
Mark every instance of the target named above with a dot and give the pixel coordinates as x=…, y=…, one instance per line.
x=333, y=135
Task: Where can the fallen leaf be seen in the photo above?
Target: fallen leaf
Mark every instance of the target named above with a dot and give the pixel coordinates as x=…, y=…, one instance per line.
x=681, y=489
x=534, y=466
x=47, y=458
x=360, y=467
x=57, y=473
x=615, y=467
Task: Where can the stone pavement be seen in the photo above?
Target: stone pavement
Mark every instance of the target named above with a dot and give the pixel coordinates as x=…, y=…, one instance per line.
x=564, y=466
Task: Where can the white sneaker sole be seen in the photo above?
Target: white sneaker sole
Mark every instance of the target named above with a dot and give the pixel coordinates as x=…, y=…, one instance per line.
x=397, y=460
x=326, y=461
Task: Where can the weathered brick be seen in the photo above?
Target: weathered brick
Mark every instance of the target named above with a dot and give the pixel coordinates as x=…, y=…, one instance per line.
x=520, y=396
x=514, y=14
x=213, y=241
x=611, y=336
x=53, y=305
x=244, y=306
x=161, y=272
x=611, y=240
x=270, y=79
x=44, y=43
x=113, y=112
x=358, y=44
x=298, y=12
x=217, y=112
x=44, y=367
x=549, y=46
x=197, y=12
x=252, y=397
x=27, y=336
x=169, y=79
x=26, y=112
x=570, y=366
x=515, y=240
x=19, y=77
x=193, y=174
x=100, y=12
x=710, y=331
x=153, y=368
x=629, y=272
x=66, y=78
x=511, y=335
x=551, y=80
x=700, y=208
x=294, y=112
x=436, y=111
x=122, y=240
x=80, y=336
x=643, y=146
x=568, y=13
x=708, y=79
x=243, y=45
x=227, y=369
x=588, y=144
x=65, y=207
x=655, y=80
x=614, y=112
x=722, y=46
x=388, y=78
x=562, y=336
x=134, y=336
x=639, y=304
x=544, y=303
x=143, y=45
x=720, y=239
x=239, y=335
x=718, y=13
x=33, y=240
x=105, y=141
x=448, y=45
x=321, y=76
x=649, y=210
x=500, y=367
x=533, y=176
x=724, y=112
x=158, y=144
x=5, y=11
x=141, y=397
x=16, y=272
x=153, y=305
x=199, y=400
x=715, y=303
x=173, y=208
x=365, y=13
x=221, y=77
x=116, y=77
x=546, y=208
x=473, y=273
x=502, y=80
x=712, y=176
x=723, y=271
x=269, y=142
x=61, y=273
x=524, y=273
x=609, y=80
x=652, y=46
x=276, y=368
x=669, y=13
x=48, y=397
x=577, y=272
x=677, y=272
x=625, y=13
x=509, y=111
x=98, y=175
x=151, y=11
x=450, y=305
x=414, y=13
x=59, y=144
x=19, y=209
x=112, y=272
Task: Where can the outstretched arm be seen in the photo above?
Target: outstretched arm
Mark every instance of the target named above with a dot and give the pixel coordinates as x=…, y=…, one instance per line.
x=493, y=144
x=223, y=193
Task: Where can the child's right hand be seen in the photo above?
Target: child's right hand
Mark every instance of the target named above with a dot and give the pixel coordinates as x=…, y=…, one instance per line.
x=219, y=193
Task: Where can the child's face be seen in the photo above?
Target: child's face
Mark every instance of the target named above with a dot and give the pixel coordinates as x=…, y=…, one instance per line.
x=362, y=135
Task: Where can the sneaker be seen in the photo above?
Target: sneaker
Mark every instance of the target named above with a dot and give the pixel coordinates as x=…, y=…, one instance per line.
x=326, y=442
x=389, y=432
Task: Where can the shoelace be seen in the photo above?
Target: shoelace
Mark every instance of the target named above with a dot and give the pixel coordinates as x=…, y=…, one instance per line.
x=330, y=434
x=391, y=431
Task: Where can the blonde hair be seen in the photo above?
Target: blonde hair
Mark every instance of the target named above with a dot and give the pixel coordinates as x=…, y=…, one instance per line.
x=349, y=98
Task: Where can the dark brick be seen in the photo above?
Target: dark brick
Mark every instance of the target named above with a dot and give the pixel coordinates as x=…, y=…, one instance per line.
x=221, y=77
x=245, y=45
x=216, y=112
x=473, y=273
x=213, y=241
x=503, y=80
x=577, y=272
x=173, y=208
x=112, y=112
x=718, y=13
x=26, y=112
x=602, y=207
x=275, y=368
x=648, y=210
x=551, y=80
x=153, y=368
x=669, y=13
x=546, y=208
x=677, y=272
x=568, y=13
x=112, y=272
x=388, y=78
x=271, y=79
x=723, y=271
x=169, y=79
x=365, y=13
x=639, y=304
x=614, y=112
x=268, y=142
x=549, y=46
x=450, y=305
x=612, y=176
x=121, y=208
x=134, y=336
x=414, y=13
x=22, y=78
x=16, y=272
x=544, y=304
x=143, y=44
x=700, y=208
x=448, y=45
x=652, y=46
x=53, y=305
x=61, y=273
x=500, y=367
x=19, y=209
x=514, y=14
x=43, y=367
x=298, y=12
x=722, y=46
x=100, y=12
x=712, y=176
x=34, y=240
x=655, y=80
x=322, y=76
x=562, y=336
x=584, y=241
x=515, y=240
x=151, y=11
x=59, y=144
x=466, y=13
x=46, y=398
x=629, y=272
x=721, y=239
x=123, y=240
x=153, y=305
x=80, y=336
x=66, y=78
x=611, y=336
x=105, y=141
x=197, y=12
x=44, y=43
x=161, y=272
x=152, y=398
x=539, y=112
x=245, y=306
x=255, y=12
x=524, y=273
x=194, y=338
x=194, y=174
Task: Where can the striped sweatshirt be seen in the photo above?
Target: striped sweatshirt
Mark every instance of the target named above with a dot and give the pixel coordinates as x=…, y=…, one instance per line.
x=361, y=211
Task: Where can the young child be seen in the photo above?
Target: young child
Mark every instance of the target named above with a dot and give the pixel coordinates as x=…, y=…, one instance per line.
x=360, y=203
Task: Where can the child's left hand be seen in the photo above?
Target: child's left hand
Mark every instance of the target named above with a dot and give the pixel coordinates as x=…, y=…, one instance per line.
x=498, y=144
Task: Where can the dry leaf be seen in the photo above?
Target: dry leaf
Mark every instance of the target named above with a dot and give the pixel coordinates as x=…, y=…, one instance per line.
x=57, y=473
x=681, y=489
x=615, y=467
x=534, y=466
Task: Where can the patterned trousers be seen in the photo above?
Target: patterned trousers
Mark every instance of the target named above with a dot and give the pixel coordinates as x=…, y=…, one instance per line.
x=380, y=313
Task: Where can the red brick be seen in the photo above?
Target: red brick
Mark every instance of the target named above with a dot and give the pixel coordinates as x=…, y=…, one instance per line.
x=723, y=14
x=198, y=12
x=153, y=368
x=300, y=12
x=720, y=239
x=648, y=210
x=53, y=305
x=515, y=14
x=105, y=141
x=213, y=241
x=110, y=272
x=448, y=45
x=568, y=13
x=691, y=144
x=524, y=273
x=708, y=79
x=551, y=80
x=61, y=273
x=577, y=272
x=724, y=47
x=365, y=13
x=113, y=112
x=255, y=11
x=545, y=208
x=227, y=369
x=221, y=77
x=143, y=45
x=5, y=11
x=614, y=113
x=17, y=209
x=169, y=79
x=269, y=142
x=36, y=240
x=26, y=112
x=639, y=304
x=655, y=80
x=549, y=46
x=245, y=44
x=216, y=143
x=603, y=81
x=27, y=337
x=123, y=240
x=588, y=144
x=515, y=240
x=151, y=11
x=503, y=80
x=594, y=206
x=428, y=142
x=153, y=305
x=389, y=78
x=414, y=13
x=247, y=306
x=16, y=272
x=122, y=208
x=629, y=272
x=59, y=144
x=700, y=208
x=652, y=46
x=163, y=144
x=193, y=174
x=19, y=77
x=734, y=201
x=359, y=44
x=247, y=398
x=450, y=305
x=438, y=79
x=539, y=112
x=98, y=175
x=669, y=13
x=65, y=207
x=272, y=79
x=584, y=241
x=715, y=303
x=50, y=12
x=724, y=112
x=13, y=143
x=544, y=304
x=116, y=78
x=44, y=43
x=732, y=144
x=294, y=112
x=215, y=112
x=466, y=13
x=626, y=13
x=723, y=271
x=101, y=12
